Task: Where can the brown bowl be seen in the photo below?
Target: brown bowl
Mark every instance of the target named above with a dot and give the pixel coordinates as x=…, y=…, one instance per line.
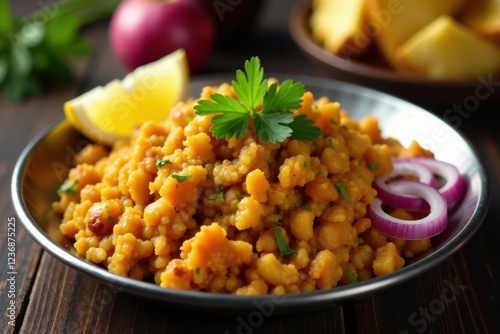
x=372, y=71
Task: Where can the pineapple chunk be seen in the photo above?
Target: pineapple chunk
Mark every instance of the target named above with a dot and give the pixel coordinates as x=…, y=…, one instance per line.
x=446, y=49
x=484, y=17
x=399, y=20
x=338, y=26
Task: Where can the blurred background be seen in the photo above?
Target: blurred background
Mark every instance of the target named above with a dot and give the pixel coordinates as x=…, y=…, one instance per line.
x=260, y=27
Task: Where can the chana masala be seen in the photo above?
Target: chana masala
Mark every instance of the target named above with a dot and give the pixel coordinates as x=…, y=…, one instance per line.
x=177, y=206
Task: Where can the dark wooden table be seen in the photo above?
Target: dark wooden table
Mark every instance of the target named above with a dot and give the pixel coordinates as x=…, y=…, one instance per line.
x=53, y=298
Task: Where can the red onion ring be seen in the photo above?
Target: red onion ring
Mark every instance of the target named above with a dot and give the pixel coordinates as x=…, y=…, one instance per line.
x=386, y=193
x=434, y=223
x=454, y=186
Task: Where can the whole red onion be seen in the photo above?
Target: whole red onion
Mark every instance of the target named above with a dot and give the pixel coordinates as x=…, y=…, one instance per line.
x=142, y=31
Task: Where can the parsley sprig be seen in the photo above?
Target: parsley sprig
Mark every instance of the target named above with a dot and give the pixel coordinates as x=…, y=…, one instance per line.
x=68, y=187
x=269, y=107
x=38, y=49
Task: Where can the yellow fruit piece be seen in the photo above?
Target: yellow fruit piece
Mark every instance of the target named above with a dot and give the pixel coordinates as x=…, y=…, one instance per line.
x=109, y=113
x=339, y=25
x=484, y=17
x=397, y=21
x=446, y=49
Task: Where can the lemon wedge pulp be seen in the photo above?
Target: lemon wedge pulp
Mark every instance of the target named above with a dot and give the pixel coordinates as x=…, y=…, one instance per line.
x=108, y=113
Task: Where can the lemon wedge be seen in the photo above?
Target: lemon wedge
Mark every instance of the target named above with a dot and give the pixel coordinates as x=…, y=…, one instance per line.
x=108, y=113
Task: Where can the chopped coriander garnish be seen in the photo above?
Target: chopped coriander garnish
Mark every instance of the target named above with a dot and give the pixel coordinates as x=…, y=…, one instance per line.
x=111, y=218
x=68, y=188
x=344, y=126
x=282, y=245
x=189, y=119
x=352, y=277
x=306, y=208
x=218, y=196
x=181, y=178
x=238, y=196
x=334, y=121
x=330, y=142
x=342, y=191
x=304, y=164
x=162, y=162
x=278, y=223
x=197, y=270
x=268, y=107
x=374, y=166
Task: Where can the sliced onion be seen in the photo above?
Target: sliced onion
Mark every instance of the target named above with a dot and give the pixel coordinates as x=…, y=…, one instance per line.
x=454, y=186
x=434, y=223
x=386, y=193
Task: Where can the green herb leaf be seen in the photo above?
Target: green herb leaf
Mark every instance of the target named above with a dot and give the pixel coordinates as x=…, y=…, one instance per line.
x=273, y=126
x=62, y=30
x=181, y=178
x=288, y=96
x=5, y=17
x=78, y=48
x=68, y=188
x=21, y=62
x=232, y=119
x=31, y=35
x=342, y=191
x=303, y=128
x=273, y=123
x=35, y=53
x=250, y=86
x=197, y=270
x=284, y=248
x=238, y=196
x=3, y=67
x=162, y=162
x=330, y=142
x=351, y=275
x=218, y=196
x=374, y=166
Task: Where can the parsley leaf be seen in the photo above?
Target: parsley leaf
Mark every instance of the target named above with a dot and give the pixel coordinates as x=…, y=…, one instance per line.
x=268, y=107
x=273, y=126
x=351, y=275
x=218, y=196
x=37, y=49
x=303, y=128
x=250, y=87
x=284, y=248
x=232, y=119
x=288, y=96
x=68, y=188
x=162, y=162
x=181, y=178
x=330, y=142
x=342, y=191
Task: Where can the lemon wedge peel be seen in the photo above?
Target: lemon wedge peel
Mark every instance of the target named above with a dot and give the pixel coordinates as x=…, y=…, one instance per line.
x=109, y=113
